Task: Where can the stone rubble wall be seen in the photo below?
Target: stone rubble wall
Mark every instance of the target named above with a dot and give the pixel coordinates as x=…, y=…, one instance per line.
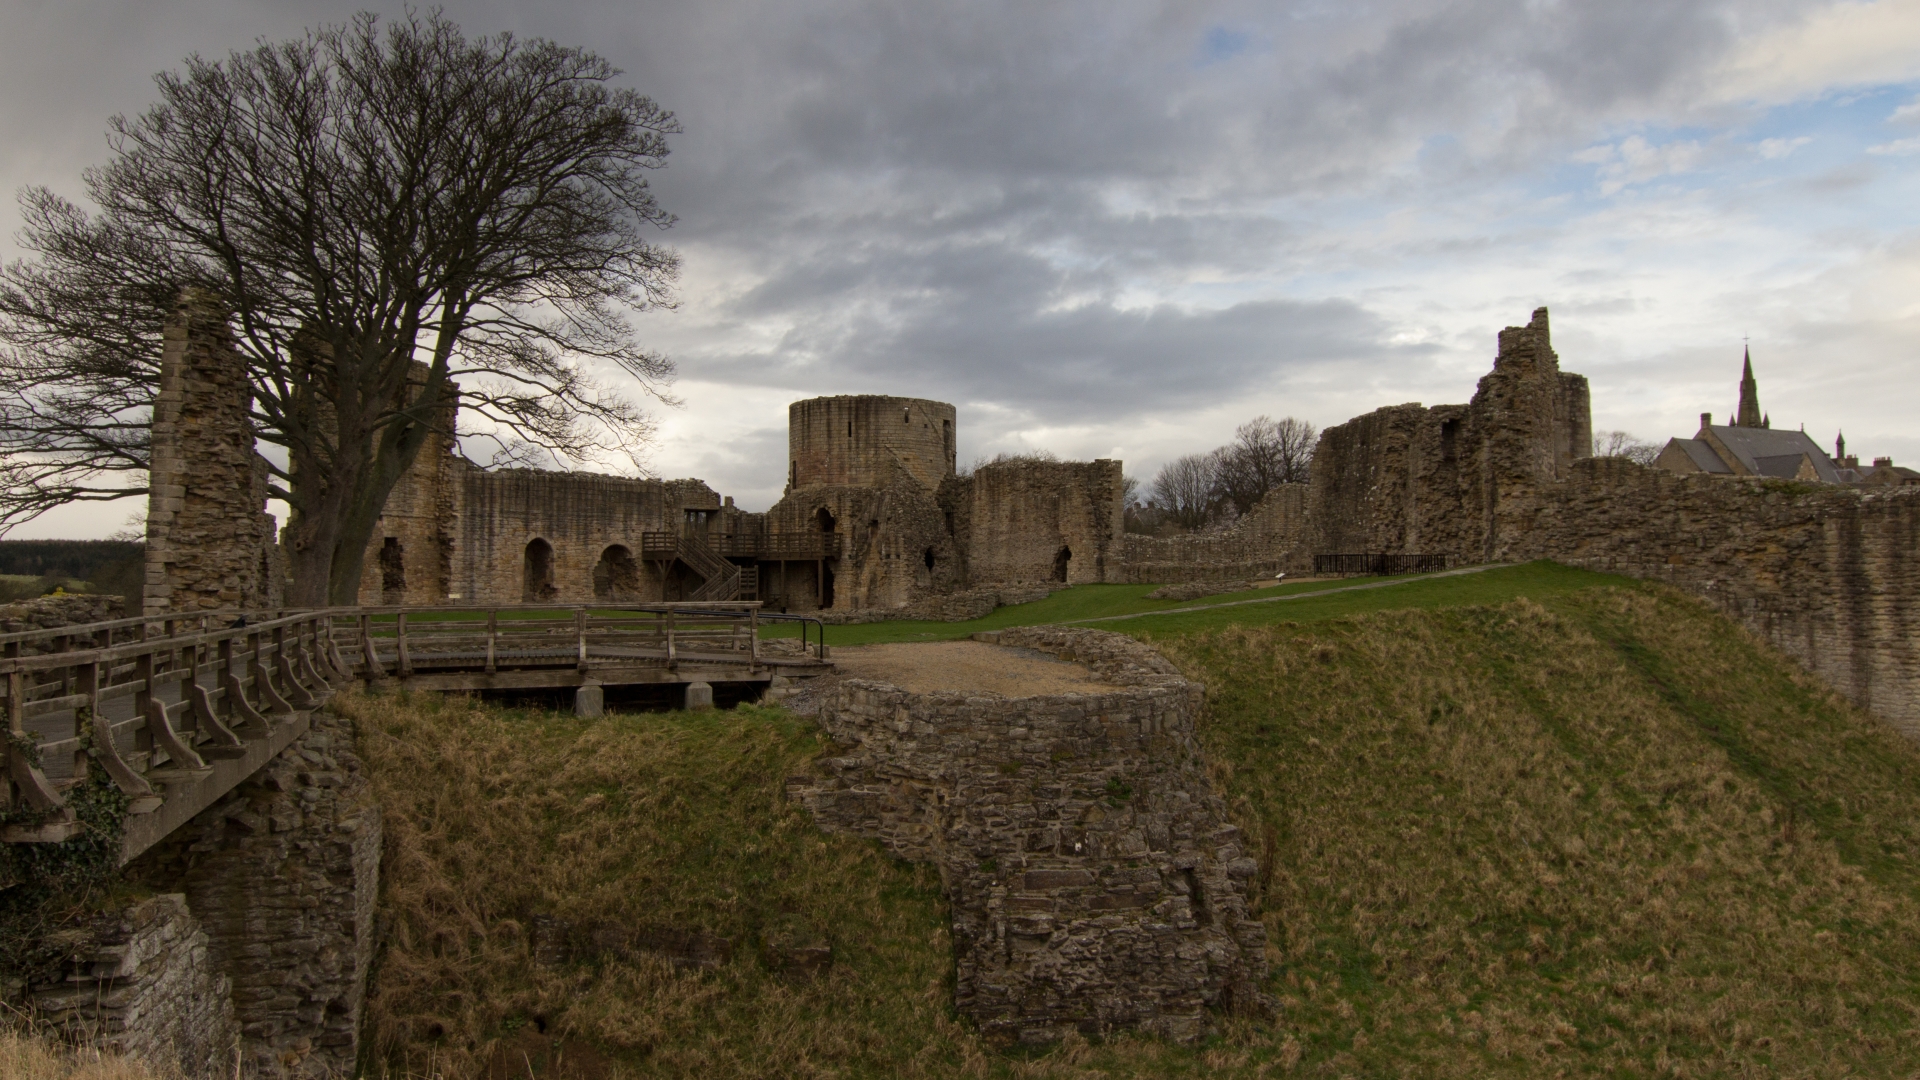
x=1270, y=539
x=210, y=542
x=53, y=612
x=283, y=875
x=1095, y=881
x=1025, y=513
x=142, y=982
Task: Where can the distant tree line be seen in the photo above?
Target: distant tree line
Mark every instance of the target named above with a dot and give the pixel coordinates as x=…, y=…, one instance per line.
x=37, y=567
x=1226, y=483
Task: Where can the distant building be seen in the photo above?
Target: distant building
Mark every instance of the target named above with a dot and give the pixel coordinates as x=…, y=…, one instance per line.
x=1750, y=447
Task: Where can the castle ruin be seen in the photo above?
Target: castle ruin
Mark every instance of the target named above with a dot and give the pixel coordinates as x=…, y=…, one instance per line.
x=876, y=519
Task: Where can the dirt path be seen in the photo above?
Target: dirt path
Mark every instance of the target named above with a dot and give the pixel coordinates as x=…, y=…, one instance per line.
x=966, y=665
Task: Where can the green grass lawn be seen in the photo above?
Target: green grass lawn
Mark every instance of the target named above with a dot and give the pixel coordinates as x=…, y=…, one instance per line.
x=1126, y=609
x=1534, y=822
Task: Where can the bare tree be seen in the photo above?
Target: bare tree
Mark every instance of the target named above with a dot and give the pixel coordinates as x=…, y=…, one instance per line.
x=1264, y=453
x=1622, y=444
x=397, y=218
x=1183, y=489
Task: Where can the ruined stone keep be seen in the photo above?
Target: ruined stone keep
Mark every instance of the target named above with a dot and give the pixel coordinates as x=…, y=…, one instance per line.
x=874, y=517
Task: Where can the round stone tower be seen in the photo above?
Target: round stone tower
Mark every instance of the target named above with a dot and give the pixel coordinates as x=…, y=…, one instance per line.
x=853, y=438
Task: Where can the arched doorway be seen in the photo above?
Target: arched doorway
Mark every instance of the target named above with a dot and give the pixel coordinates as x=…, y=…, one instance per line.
x=1060, y=562
x=538, y=578
x=823, y=518
x=616, y=576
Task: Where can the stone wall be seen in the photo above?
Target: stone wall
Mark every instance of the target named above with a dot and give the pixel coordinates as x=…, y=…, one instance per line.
x=580, y=517
x=142, y=981
x=1046, y=521
x=894, y=546
x=283, y=875
x=1270, y=539
x=1095, y=882
x=1828, y=574
x=1433, y=481
x=858, y=439
x=210, y=542
x=51, y=612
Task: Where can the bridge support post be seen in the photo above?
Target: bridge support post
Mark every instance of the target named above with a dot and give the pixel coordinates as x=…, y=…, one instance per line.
x=590, y=701
x=699, y=696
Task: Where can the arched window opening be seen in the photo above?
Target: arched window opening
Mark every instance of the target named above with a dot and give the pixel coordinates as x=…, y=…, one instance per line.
x=616, y=577
x=906, y=415
x=928, y=558
x=1060, y=562
x=538, y=584
x=824, y=519
x=393, y=571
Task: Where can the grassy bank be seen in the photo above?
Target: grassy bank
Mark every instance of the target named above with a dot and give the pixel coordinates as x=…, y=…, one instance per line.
x=1527, y=825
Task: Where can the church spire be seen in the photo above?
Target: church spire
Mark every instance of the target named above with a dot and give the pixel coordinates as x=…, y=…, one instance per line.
x=1748, y=415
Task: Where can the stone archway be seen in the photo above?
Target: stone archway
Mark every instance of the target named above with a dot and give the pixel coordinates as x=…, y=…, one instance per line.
x=617, y=576
x=1060, y=563
x=538, y=573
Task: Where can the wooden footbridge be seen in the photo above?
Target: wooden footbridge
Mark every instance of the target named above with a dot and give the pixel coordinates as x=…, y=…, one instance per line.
x=176, y=712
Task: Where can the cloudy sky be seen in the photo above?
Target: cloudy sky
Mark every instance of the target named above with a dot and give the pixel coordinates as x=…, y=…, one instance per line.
x=1119, y=229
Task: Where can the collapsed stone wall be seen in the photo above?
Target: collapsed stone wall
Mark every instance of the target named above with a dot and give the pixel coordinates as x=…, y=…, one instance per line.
x=1046, y=521
x=282, y=876
x=53, y=612
x=1270, y=539
x=141, y=981
x=1094, y=879
x=210, y=542
x=1435, y=481
x=1830, y=575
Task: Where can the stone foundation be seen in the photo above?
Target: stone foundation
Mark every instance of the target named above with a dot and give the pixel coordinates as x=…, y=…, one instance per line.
x=1095, y=882
x=283, y=874
x=143, y=982
x=53, y=612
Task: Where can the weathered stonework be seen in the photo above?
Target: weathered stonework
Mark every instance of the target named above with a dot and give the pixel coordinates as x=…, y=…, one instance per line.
x=1046, y=521
x=1828, y=574
x=282, y=875
x=1270, y=539
x=210, y=542
x=51, y=612
x=857, y=440
x=142, y=982
x=1095, y=881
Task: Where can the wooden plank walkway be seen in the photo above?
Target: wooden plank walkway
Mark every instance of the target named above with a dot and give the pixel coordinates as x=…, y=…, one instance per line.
x=177, y=712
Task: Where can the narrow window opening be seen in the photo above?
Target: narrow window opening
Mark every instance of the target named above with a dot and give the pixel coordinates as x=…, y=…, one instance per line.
x=393, y=571
x=928, y=558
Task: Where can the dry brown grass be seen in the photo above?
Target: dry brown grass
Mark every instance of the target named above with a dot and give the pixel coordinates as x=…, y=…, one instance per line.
x=26, y=1056
x=1607, y=836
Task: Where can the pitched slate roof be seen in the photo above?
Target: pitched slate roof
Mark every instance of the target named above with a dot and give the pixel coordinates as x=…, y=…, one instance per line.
x=1773, y=452
x=1702, y=455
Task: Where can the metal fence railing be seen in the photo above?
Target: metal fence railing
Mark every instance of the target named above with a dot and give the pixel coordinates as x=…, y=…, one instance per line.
x=1377, y=563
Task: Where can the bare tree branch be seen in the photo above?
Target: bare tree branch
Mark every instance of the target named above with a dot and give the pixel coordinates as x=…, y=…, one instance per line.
x=397, y=218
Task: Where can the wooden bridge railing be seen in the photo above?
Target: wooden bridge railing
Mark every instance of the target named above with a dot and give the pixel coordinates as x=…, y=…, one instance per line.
x=403, y=642
x=166, y=709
